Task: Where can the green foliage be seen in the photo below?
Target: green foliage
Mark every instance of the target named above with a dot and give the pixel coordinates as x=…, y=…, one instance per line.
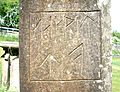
x=116, y=63
x=115, y=74
x=3, y=89
x=9, y=13
x=116, y=37
x=6, y=5
x=115, y=52
x=115, y=41
x=8, y=38
x=116, y=34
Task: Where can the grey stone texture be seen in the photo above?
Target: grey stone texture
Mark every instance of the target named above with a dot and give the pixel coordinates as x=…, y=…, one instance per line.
x=65, y=46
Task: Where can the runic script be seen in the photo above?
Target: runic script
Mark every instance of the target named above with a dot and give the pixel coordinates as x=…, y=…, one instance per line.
x=65, y=47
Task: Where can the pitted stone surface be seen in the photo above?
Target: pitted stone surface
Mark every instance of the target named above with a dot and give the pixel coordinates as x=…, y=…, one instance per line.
x=61, y=45
x=62, y=5
x=65, y=46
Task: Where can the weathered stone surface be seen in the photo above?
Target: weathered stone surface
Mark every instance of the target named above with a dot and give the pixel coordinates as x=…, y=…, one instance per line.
x=62, y=5
x=65, y=46
x=61, y=45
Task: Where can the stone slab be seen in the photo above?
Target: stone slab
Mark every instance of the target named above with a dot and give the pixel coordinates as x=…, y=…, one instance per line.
x=51, y=32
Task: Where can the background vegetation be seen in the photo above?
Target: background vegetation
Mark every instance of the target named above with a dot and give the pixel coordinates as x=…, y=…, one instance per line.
x=9, y=38
x=9, y=13
x=116, y=74
x=116, y=37
x=116, y=43
x=116, y=61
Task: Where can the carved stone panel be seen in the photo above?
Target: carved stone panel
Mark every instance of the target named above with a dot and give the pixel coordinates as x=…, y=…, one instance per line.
x=65, y=45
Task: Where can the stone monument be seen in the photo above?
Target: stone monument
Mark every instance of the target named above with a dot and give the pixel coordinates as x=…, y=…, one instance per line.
x=65, y=46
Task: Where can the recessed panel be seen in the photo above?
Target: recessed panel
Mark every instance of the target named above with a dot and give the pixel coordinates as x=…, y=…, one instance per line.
x=65, y=46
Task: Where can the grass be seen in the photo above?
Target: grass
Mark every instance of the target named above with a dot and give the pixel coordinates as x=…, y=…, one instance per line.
x=9, y=38
x=116, y=74
x=115, y=52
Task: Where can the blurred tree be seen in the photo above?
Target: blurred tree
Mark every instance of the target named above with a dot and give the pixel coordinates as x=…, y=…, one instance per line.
x=116, y=34
x=9, y=13
x=6, y=5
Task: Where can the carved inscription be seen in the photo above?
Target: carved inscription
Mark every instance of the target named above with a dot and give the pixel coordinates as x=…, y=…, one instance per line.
x=65, y=46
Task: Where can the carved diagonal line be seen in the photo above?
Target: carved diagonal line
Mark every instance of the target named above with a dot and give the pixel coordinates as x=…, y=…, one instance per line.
x=75, y=49
x=53, y=2
x=83, y=21
x=88, y=16
x=44, y=60
x=69, y=18
x=37, y=24
x=46, y=28
x=70, y=22
x=59, y=22
x=77, y=56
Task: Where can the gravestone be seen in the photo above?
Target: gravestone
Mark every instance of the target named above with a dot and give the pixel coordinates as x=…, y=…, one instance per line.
x=65, y=46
